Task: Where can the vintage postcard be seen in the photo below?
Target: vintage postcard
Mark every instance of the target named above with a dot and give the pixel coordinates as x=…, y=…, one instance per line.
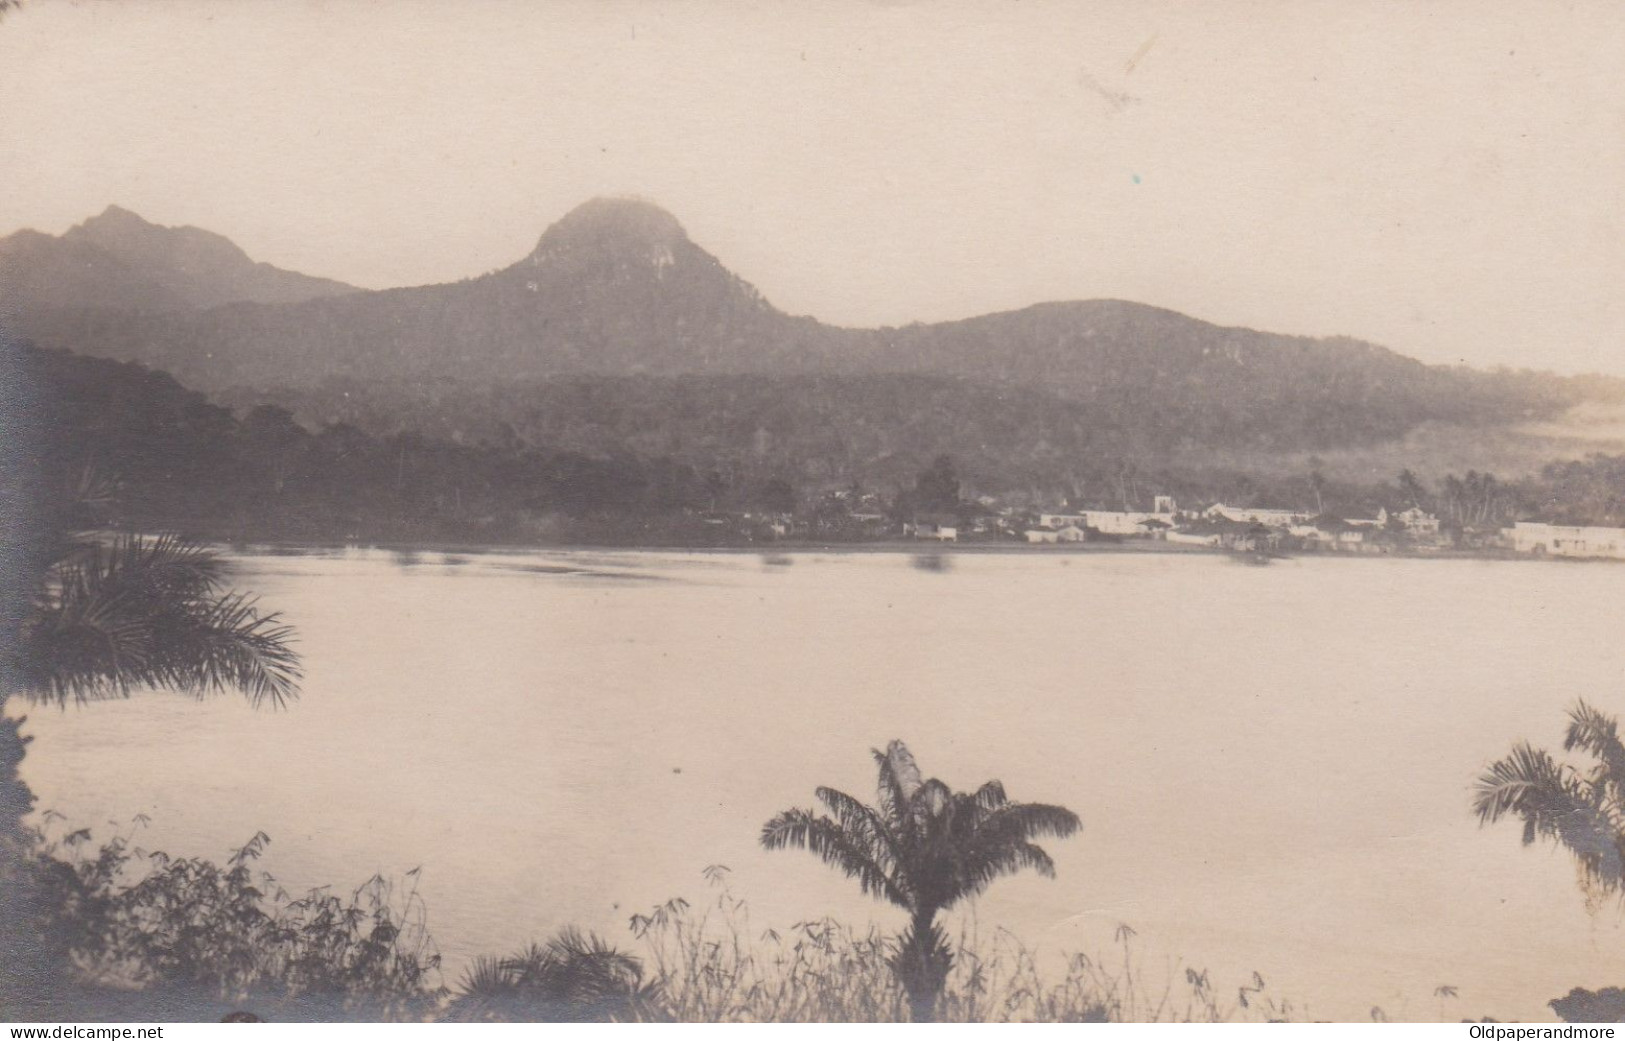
x=769, y=512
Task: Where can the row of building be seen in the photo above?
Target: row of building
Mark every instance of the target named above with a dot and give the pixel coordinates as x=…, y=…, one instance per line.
x=1565, y=540
x=1251, y=528
x=1235, y=527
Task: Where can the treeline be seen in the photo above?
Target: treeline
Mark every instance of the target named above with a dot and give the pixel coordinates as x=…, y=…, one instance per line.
x=861, y=437
x=818, y=432
x=183, y=462
x=1591, y=491
x=880, y=429
x=656, y=461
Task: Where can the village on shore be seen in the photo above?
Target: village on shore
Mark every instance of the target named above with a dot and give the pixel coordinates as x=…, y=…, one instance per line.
x=1216, y=526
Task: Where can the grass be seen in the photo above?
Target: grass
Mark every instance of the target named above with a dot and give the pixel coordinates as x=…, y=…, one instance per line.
x=144, y=936
x=712, y=964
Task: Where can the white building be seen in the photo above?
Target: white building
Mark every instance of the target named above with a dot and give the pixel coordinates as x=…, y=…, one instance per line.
x=1254, y=515
x=1562, y=540
x=1115, y=522
x=1418, y=521
x=1118, y=522
x=1065, y=533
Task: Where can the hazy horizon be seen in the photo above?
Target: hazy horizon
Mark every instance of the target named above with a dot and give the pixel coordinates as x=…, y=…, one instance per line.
x=1445, y=181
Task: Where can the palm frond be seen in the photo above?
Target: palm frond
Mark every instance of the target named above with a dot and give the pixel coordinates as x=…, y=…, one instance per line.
x=931, y=799
x=990, y=796
x=230, y=645
x=485, y=978
x=982, y=866
x=825, y=838
x=899, y=779
x=166, y=566
x=1594, y=732
x=573, y=977
x=1556, y=804
x=1030, y=820
x=1527, y=782
x=866, y=828
x=149, y=613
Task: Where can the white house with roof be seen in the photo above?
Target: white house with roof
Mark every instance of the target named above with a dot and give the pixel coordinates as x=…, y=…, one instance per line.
x=942, y=527
x=1270, y=518
x=1064, y=533
x=1418, y=521
x=1563, y=540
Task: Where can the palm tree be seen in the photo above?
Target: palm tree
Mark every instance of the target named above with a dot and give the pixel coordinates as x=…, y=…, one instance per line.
x=1581, y=811
x=131, y=612
x=924, y=848
x=85, y=617
x=90, y=616
x=1410, y=488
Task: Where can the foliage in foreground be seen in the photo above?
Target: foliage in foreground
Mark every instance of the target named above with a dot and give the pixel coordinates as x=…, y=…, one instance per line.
x=119, y=934
x=713, y=965
x=1579, y=810
x=573, y=977
x=1582, y=811
x=924, y=848
x=119, y=930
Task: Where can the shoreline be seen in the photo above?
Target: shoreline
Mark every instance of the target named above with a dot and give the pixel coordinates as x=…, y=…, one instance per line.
x=916, y=548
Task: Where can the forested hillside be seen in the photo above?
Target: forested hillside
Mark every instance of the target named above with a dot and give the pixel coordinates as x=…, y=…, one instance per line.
x=180, y=462
x=687, y=461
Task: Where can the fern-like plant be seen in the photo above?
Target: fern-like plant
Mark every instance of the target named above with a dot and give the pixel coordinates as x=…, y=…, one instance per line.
x=573, y=977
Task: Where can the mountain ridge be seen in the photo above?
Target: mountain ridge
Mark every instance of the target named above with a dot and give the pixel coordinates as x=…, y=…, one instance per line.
x=617, y=287
x=119, y=260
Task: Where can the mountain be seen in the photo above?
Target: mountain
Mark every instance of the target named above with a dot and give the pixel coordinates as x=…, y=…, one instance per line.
x=118, y=261
x=616, y=288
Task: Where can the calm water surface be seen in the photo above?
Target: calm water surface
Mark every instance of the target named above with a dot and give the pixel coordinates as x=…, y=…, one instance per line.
x=1273, y=764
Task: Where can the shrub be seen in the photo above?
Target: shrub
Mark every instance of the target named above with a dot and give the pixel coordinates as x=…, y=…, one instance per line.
x=204, y=934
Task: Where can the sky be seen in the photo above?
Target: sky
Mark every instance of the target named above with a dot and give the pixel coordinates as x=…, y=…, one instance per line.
x=1446, y=179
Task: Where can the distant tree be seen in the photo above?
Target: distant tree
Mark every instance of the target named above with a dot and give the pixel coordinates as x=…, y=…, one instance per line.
x=716, y=487
x=937, y=488
x=1410, y=487
x=924, y=848
x=777, y=496
x=1454, y=492
x=1317, y=484
x=274, y=440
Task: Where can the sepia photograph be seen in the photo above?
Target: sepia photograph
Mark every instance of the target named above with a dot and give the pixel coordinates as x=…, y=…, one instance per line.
x=869, y=511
